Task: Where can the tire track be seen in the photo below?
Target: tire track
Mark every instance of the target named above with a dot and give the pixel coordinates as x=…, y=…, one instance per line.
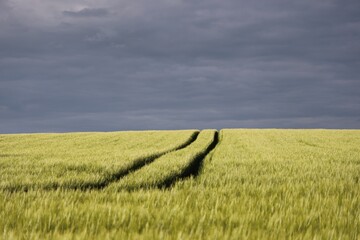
x=193, y=169
x=139, y=163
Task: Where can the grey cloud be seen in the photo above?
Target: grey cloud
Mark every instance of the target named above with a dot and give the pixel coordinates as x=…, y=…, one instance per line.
x=183, y=64
x=87, y=12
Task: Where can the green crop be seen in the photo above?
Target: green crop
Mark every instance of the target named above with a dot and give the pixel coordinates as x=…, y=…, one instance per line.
x=80, y=160
x=255, y=184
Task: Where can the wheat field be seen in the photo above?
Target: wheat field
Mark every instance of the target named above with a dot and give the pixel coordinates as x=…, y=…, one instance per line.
x=227, y=184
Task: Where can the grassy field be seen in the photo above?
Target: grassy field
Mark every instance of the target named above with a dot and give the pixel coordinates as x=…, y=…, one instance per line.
x=255, y=184
x=80, y=160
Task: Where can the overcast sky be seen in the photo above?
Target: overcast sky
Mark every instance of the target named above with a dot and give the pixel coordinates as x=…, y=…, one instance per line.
x=102, y=65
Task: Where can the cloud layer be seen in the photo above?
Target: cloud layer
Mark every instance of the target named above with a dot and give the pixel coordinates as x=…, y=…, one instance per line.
x=87, y=12
x=117, y=65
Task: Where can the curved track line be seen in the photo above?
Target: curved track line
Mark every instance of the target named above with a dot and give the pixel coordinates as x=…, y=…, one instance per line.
x=193, y=169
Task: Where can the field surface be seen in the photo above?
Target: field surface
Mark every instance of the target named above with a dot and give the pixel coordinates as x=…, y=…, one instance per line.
x=80, y=160
x=231, y=184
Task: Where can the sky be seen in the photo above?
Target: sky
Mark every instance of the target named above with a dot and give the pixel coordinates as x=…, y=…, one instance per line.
x=110, y=65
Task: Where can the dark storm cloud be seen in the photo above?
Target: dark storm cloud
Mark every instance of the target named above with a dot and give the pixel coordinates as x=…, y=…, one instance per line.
x=87, y=12
x=65, y=66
